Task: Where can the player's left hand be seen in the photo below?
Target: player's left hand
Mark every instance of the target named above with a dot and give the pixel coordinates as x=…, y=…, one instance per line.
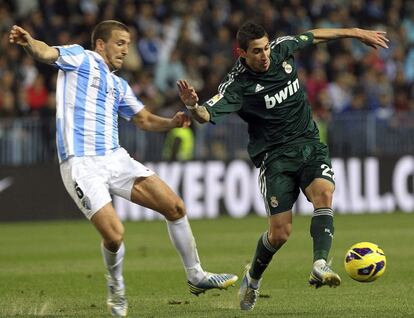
x=374, y=39
x=182, y=120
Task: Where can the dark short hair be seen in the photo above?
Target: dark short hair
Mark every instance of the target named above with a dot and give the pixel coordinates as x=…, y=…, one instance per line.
x=103, y=30
x=248, y=32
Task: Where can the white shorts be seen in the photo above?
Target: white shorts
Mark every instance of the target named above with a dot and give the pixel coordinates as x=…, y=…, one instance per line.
x=91, y=180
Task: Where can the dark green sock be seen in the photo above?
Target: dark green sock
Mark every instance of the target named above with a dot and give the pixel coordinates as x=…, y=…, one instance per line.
x=322, y=231
x=262, y=257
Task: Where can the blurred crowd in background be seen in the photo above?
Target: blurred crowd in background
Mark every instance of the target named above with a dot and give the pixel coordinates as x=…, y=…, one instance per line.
x=195, y=40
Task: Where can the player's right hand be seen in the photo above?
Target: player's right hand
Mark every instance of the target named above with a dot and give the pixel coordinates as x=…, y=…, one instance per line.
x=19, y=36
x=187, y=93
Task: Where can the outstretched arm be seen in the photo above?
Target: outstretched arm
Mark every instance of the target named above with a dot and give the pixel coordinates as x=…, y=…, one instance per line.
x=38, y=49
x=190, y=99
x=369, y=37
x=146, y=120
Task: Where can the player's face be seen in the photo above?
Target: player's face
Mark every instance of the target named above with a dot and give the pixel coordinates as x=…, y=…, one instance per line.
x=116, y=48
x=257, y=55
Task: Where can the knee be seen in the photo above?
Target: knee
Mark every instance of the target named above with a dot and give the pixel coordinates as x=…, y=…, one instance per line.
x=114, y=239
x=279, y=237
x=324, y=198
x=176, y=210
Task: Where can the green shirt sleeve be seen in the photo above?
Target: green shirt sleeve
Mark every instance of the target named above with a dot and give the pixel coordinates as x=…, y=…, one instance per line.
x=227, y=101
x=287, y=45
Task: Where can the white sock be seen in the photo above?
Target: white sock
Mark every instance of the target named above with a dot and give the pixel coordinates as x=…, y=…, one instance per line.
x=114, y=261
x=183, y=240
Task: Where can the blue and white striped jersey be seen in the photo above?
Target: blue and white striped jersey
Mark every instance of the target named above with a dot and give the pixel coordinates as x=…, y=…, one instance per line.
x=89, y=98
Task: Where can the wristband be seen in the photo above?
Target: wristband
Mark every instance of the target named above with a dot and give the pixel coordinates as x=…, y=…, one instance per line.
x=192, y=107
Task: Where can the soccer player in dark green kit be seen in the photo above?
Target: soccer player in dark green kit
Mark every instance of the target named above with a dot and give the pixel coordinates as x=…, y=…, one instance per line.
x=264, y=90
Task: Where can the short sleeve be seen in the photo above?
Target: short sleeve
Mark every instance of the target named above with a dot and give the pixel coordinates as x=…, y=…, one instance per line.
x=224, y=103
x=70, y=57
x=287, y=45
x=129, y=105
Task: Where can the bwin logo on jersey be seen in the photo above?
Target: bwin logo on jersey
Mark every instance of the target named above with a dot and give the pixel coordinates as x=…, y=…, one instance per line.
x=282, y=95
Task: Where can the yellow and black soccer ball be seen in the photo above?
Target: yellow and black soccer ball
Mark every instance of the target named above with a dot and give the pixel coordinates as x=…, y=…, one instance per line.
x=365, y=262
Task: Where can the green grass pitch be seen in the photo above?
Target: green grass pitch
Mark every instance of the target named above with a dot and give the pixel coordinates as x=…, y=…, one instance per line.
x=54, y=269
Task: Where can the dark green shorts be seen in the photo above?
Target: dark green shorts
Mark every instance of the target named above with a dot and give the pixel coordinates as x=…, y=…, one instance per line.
x=285, y=171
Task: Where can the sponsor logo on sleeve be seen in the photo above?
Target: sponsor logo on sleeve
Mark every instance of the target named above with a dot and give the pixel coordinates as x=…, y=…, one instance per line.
x=214, y=99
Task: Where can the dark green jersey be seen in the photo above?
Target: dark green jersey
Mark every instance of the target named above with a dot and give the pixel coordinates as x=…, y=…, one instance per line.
x=273, y=103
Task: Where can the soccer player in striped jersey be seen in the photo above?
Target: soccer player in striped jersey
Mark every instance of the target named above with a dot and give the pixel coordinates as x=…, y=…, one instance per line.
x=264, y=90
x=90, y=97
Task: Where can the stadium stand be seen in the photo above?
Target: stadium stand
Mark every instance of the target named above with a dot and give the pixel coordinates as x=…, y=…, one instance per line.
x=357, y=93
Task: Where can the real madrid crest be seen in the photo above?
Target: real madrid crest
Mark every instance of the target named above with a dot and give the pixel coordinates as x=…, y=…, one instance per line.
x=273, y=202
x=288, y=68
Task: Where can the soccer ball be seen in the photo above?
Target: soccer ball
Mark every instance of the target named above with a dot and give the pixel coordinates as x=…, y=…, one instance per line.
x=365, y=262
